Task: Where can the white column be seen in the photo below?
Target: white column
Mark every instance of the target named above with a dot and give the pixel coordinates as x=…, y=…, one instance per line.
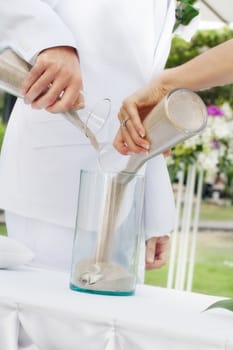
x=195, y=231
x=183, y=241
x=175, y=238
x=185, y=229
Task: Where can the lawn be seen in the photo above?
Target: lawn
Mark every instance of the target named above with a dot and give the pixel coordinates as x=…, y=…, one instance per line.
x=216, y=213
x=213, y=272
x=2, y=229
x=214, y=256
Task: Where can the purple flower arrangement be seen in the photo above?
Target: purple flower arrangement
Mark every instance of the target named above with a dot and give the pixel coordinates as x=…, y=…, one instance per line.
x=214, y=144
x=211, y=149
x=214, y=111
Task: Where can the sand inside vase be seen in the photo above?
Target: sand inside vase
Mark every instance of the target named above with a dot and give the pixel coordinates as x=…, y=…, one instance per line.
x=102, y=276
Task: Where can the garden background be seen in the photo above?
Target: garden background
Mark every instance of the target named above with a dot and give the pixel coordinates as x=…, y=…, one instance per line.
x=213, y=271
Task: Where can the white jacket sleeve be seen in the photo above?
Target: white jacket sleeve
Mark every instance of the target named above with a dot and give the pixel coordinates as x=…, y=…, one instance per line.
x=29, y=26
x=159, y=206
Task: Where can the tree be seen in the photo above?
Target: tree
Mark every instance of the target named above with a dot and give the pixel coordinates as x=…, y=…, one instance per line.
x=182, y=51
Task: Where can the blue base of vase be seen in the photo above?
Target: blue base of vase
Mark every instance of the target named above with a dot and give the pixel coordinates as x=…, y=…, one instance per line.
x=103, y=292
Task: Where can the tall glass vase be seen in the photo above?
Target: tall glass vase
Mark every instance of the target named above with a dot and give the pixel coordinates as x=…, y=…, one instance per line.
x=107, y=233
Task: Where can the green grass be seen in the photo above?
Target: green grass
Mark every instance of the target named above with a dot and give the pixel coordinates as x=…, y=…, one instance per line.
x=1, y=102
x=214, y=257
x=214, y=212
x=213, y=272
x=3, y=230
x=214, y=264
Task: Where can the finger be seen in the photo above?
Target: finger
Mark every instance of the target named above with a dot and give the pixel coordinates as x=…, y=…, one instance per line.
x=150, y=250
x=31, y=78
x=40, y=91
x=126, y=136
x=50, y=96
x=131, y=145
x=80, y=101
x=156, y=264
x=68, y=97
x=131, y=110
x=64, y=103
x=119, y=144
x=139, y=141
x=37, y=93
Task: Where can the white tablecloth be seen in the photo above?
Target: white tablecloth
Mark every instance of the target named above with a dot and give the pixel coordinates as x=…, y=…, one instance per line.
x=38, y=311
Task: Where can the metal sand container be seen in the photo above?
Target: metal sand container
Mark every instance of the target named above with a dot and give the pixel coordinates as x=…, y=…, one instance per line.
x=13, y=70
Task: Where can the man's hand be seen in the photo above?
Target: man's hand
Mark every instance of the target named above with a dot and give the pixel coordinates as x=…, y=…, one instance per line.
x=156, y=252
x=54, y=82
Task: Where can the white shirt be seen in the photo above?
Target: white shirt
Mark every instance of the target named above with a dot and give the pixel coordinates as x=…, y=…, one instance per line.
x=121, y=44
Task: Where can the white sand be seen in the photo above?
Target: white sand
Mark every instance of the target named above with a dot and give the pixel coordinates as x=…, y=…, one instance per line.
x=102, y=276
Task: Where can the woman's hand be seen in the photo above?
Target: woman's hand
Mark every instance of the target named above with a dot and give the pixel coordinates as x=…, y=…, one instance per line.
x=131, y=136
x=54, y=82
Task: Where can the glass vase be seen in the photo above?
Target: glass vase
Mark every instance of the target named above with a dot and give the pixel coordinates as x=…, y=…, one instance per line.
x=107, y=233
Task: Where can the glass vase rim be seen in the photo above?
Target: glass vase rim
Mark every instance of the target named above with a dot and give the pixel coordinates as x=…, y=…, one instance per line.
x=202, y=107
x=111, y=173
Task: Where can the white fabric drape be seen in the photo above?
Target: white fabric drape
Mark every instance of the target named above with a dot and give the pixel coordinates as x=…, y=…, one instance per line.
x=41, y=313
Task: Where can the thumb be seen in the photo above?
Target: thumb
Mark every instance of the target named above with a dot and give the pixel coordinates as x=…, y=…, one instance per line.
x=150, y=250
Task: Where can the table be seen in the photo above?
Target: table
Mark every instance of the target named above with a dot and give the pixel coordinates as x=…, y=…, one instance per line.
x=38, y=311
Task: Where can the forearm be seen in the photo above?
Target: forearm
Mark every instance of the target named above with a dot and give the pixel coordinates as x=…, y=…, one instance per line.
x=212, y=68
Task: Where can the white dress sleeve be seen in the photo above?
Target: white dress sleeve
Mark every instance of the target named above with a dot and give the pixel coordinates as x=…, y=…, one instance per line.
x=29, y=26
x=159, y=208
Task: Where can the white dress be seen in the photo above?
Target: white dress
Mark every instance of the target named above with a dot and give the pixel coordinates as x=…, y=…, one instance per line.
x=121, y=44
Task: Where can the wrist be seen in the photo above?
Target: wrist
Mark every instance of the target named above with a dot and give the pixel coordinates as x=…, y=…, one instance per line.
x=169, y=80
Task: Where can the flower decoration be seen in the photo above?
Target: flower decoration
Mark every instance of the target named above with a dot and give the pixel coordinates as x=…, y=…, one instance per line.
x=214, y=110
x=185, y=12
x=212, y=150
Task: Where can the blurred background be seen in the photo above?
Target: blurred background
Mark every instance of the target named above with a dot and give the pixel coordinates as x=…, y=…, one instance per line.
x=201, y=169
